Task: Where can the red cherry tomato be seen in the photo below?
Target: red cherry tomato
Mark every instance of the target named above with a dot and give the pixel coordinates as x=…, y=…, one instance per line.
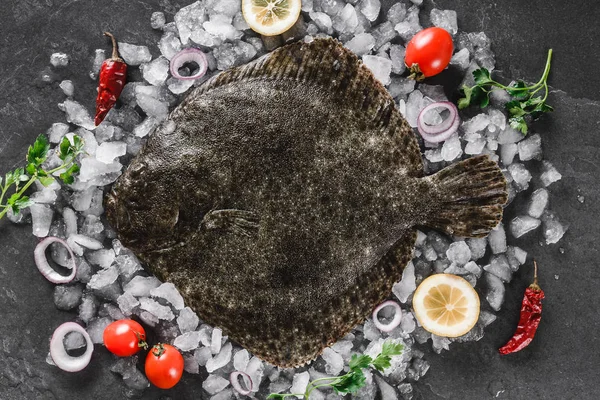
x=164, y=366
x=431, y=50
x=124, y=337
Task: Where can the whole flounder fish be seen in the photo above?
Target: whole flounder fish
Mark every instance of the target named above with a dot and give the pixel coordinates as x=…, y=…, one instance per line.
x=281, y=198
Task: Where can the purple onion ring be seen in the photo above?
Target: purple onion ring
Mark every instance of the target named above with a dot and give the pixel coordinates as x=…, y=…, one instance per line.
x=441, y=132
x=395, y=321
x=39, y=255
x=188, y=55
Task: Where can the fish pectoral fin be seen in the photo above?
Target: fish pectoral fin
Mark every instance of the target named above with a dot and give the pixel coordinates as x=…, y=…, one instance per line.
x=238, y=221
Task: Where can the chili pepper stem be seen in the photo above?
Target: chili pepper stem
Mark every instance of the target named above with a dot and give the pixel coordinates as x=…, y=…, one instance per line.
x=535, y=285
x=115, y=48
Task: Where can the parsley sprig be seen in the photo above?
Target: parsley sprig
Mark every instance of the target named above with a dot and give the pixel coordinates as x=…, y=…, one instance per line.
x=524, y=107
x=355, y=378
x=36, y=155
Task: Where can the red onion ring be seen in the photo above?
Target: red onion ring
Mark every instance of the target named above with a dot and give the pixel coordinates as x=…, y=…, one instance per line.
x=235, y=383
x=441, y=132
x=41, y=261
x=59, y=354
x=395, y=321
x=188, y=55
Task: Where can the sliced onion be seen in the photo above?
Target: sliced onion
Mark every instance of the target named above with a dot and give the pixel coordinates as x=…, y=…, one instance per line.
x=59, y=354
x=235, y=383
x=41, y=261
x=441, y=132
x=186, y=56
x=395, y=321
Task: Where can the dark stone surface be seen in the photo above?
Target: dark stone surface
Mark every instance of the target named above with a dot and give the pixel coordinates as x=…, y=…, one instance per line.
x=564, y=359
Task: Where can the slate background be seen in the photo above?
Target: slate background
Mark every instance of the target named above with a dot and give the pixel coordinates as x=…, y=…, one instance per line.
x=564, y=360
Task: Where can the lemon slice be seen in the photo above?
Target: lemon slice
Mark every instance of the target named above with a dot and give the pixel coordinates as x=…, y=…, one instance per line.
x=446, y=305
x=271, y=17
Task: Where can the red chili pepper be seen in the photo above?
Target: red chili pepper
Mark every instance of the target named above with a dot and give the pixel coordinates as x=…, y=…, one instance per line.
x=112, y=80
x=531, y=314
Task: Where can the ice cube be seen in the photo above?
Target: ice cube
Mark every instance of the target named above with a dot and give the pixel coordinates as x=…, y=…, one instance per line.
x=56, y=132
x=334, y=363
x=214, y=384
x=500, y=267
x=187, y=320
x=508, y=152
x=189, y=18
x=330, y=7
x=67, y=297
x=105, y=284
x=128, y=266
x=451, y=149
x=509, y=135
x=475, y=146
x=141, y=286
x=226, y=7
x=387, y=391
x=59, y=60
x=226, y=394
x=300, y=383
x=41, y=216
x=403, y=289
x=169, y=45
x=407, y=324
x=521, y=176
x=322, y=20
x=459, y=253
x=476, y=124
x=102, y=258
x=205, y=335
x=516, y=257
x=108, y=151
x=413, y=107
x=495, y=291
x=127, y=303
x=531, y=148
x=169, y=292
x=215, y=342
x=133, y=54
x=497, y=239
x=361, y=44
x=383, y=33
x=445, y=19
x=370, y=9
x=156, y=71
x=240, y=360
x=99, y=57
x=220, y=27
x=538, y=203
x=461, y=59
x=553, y=230
x=346, y=21
x=381, y=67
x=396, y=13
x=93, y=171
x=88, y=307
x=202, y=355
x=401, y=87
x=549, y=174
x=239, y=23
x=221, y=359
x=157, y=20
x=440, y=343
x=397, y=57
x=156, y=309
x=473, y=268
x=307, y=5
x=255, y=370
x=232, y=54
x=77, y=114
x=153, y=108
x=407, y=28
x=179, y=86
x=95, y=328
x=67, y=87
x=187, y=341
x=521, y=225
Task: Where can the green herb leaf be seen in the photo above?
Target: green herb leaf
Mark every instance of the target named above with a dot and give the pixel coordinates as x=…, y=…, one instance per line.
x=350, y=383
x=518, y=90
x=390, y=348
x=519, y=124
x=67, y=176
x=465, y=101
x=46, y=180
x=482, y=76
x=21, y=203
x=38, y=152
x=276, y=396
x=360, y=361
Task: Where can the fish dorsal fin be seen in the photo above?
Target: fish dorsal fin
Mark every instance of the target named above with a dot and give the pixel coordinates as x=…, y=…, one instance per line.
x=324, y=62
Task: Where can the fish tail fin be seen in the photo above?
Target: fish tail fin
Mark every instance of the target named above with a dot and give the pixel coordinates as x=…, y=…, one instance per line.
x=470, y=196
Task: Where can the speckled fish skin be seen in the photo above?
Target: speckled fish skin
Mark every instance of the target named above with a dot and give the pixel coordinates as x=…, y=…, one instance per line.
x=281, y=199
